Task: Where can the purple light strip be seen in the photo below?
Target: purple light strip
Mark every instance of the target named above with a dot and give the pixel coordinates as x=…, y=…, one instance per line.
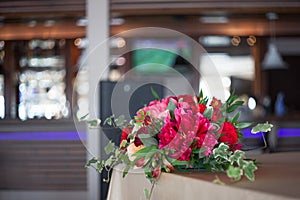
x=282, y=132
x=81, y=135
x=288, y=132
x=40, y=136
x=247, y=134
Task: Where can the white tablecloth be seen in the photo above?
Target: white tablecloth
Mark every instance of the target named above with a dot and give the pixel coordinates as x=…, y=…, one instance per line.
x=278, y=178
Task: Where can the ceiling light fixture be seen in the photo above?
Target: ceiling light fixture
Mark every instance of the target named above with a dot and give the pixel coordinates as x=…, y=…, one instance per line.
x=32, y=23
x=117, y=21
x=49, y=23
x=213, y=19
x=273, y=59
x=213, y=41
x=83, y=21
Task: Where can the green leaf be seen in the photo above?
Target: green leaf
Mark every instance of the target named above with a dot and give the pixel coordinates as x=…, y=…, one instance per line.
x=240, y=135
x=109, y=120
x=199, y=151
x=231, y=98
x=147, y=151
x=91, y=161
x=139, y=123
x=148, y=141
x=242, y=125
x=123, y=143
x=100, y=166
x=109, y=148
x=208, y=113
x=201, y=94
x=249, y=169
x=265, y=127
x=236, y=117
x=234, y=106
x=234, y=172
x=222, y=151
x=179, y=162
x=94, y=123
x=120, y=121
x=236, y=156
x=154, y=93
x=126, y=170
x=83, y=117
x=109, y=161
x=171, y=105
x=142, y=115
x=143, y=136
x=147, y=193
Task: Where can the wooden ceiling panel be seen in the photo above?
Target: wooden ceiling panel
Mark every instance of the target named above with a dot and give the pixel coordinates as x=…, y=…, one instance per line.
x=34, y=8
x=244, y=17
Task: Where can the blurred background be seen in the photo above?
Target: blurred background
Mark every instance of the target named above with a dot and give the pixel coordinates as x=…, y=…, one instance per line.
x=254, y=46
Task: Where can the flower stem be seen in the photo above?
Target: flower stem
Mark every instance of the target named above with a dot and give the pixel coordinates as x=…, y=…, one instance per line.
x=151, y=190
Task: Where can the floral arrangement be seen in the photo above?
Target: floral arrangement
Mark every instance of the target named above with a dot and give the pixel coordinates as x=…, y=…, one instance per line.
x=182, y=132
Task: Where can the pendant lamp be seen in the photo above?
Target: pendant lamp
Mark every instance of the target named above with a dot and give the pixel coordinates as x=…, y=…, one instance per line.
x=273, y=59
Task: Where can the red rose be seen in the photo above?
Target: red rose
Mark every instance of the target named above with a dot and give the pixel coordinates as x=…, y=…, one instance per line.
x=229, y=134
x=201, y=108
x=125, y=133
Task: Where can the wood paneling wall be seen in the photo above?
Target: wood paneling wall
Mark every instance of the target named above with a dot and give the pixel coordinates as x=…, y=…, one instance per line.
x=42, y=165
